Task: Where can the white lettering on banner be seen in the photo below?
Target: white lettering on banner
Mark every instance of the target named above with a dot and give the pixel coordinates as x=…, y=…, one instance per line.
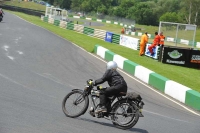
x=169, y=39
x=129, y=42
x=109, y=36
x=195, y=59
x=175, y=62
x=182, y=41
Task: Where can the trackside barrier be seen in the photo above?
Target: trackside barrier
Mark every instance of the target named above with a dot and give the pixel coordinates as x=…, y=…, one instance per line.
x=82, y=17
x=103, y=20
x=99, y=20
x=156, y=51
x=56, y=22
x=42, y=17
x=198, y=44
x=178, y=91
x=89, y=18
x=88, y=31
x=115, y=38
x=108, y=37
x=63, y=24
x=99, y=34
x=70, y=26
x=51, y=20
x=78, y=28
x=45, y=19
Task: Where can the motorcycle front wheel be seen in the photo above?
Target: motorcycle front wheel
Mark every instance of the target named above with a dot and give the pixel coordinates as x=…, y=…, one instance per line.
x=75, y=104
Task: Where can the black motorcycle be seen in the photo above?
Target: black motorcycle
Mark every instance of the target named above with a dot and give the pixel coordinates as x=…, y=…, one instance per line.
x=123, y=110
x=1, y=18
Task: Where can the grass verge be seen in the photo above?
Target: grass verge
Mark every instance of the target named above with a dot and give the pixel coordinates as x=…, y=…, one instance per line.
x=186, y=76
x=28, y=4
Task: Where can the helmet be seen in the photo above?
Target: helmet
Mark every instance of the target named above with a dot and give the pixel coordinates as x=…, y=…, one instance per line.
x=111, y=65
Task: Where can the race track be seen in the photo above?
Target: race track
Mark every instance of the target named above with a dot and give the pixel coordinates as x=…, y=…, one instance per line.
x=38, y=68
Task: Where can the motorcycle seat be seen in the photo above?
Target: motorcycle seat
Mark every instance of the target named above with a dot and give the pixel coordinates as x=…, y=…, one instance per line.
x=122, y=94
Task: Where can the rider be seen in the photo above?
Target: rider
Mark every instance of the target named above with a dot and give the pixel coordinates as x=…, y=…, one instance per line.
x=116, y=82
x=1, y=12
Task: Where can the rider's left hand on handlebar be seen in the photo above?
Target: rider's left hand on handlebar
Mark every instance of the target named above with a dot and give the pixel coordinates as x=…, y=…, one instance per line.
x=91, y=82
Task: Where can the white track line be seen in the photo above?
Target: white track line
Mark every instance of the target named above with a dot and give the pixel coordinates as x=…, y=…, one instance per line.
x=165, y=116
x=13, y=81
x=125, y=73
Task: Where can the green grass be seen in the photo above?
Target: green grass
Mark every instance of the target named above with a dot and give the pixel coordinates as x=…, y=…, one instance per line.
x=29, y=5
x=109, y=27
x=186, y=76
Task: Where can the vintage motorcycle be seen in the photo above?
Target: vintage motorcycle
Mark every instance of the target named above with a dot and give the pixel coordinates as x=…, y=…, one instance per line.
x=123, y=110
x=1, y=18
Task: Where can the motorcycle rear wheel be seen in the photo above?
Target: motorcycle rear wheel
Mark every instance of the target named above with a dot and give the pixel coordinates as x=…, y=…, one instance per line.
x=124, y=114
x=75, y=104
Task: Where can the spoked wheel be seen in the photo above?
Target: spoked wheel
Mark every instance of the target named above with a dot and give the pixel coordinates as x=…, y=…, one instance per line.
x=75, y=104
x=124, y=114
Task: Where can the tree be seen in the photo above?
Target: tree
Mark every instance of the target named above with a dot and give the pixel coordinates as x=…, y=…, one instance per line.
x=119, y=12
x=142, y=13
x=76, y=5
x=125, y=6
x=197, y=9
x=66, y=4
x=170, y=17
x=190, y=10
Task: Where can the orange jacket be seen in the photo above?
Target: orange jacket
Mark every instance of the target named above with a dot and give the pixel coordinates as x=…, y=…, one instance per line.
x=156, y=40
x=123, y=30
x=144, y=39
x=162, y=39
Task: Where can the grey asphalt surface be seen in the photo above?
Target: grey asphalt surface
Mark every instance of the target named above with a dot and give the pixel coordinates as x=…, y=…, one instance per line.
x=38, y=68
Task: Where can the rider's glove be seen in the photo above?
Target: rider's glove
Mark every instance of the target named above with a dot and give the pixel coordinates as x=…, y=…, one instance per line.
x=100, y=88
x=91, y=82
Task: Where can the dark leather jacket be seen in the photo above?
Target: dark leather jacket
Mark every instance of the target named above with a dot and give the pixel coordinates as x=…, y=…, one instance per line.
x=112, y=77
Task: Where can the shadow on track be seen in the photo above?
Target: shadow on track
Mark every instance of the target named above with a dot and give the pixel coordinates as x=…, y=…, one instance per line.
x=135, y=130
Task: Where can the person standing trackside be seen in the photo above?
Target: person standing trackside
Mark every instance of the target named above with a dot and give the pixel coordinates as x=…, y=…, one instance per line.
x=123, y=30
x=143, y=41
x=156, y=42
x=162, y=39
